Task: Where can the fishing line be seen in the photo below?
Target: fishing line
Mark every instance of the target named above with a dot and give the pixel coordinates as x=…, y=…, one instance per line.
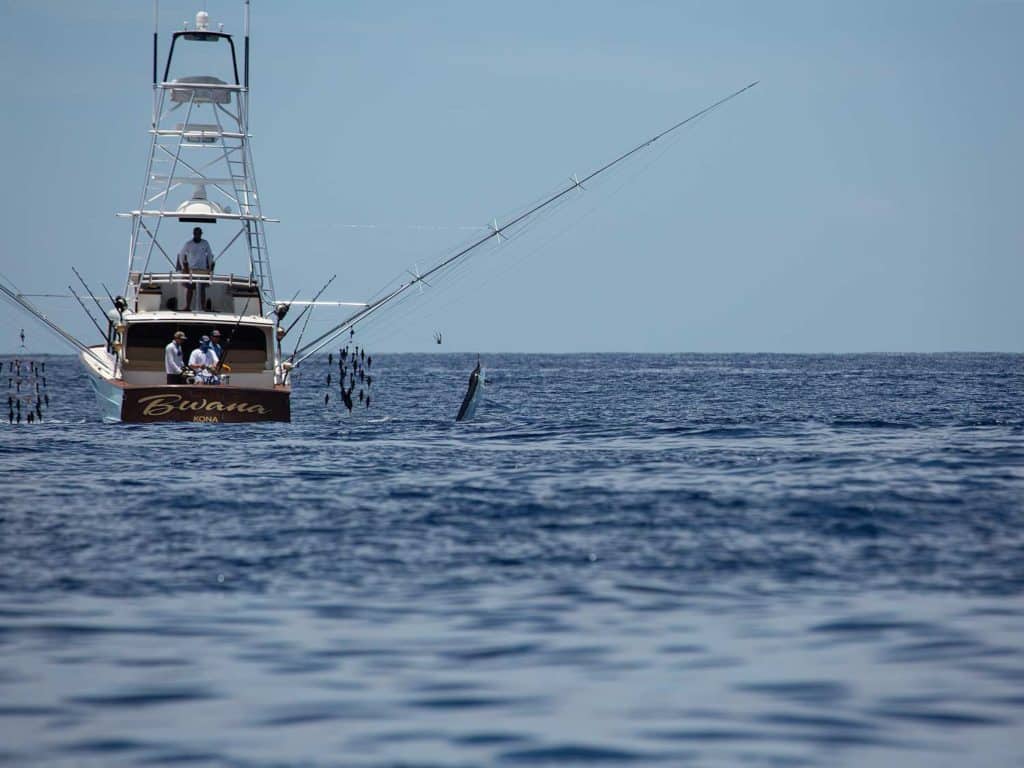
x=317, y=344
x=439, y=256
x=415, y=227
x=447, y=265
x=457, y=274
x=517, y=256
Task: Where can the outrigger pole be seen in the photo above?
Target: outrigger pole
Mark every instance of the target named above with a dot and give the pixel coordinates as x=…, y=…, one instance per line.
x=494, y=231
x=29, y=307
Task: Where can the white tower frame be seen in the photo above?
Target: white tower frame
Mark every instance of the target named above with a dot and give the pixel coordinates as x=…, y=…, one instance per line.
x=200, y=143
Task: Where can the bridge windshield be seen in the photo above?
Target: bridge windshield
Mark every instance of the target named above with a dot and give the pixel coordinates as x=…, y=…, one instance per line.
x=202, y=54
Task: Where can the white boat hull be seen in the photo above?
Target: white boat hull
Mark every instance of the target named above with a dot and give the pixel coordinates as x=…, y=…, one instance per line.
x=109, y=398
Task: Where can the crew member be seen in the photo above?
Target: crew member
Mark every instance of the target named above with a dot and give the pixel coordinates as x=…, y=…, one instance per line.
x=203, y=358
x=173, y=359
x=215, y=344
x=196, y=257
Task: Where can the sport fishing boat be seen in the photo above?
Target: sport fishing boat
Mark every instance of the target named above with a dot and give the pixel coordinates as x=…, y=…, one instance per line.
x=199, y=173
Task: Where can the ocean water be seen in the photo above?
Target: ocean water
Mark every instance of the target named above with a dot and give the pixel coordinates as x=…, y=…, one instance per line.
x=709, y=560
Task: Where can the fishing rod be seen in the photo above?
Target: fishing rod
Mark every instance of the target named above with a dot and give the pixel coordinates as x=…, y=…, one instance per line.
x=309, y=307
x=310, y=315
x=29, y=307
x=107, y=291
x=88, y=291
x=280, y=311
x=119, y=303
x=86, y=310
x=238, y=322
x=52, y=296
x=496, y=231
x=281, y=307
x=231, y=338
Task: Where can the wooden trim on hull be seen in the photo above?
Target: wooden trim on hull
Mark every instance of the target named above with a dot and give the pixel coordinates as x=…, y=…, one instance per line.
x=198, y=403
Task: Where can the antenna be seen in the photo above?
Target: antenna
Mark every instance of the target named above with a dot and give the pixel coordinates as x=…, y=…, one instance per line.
x=156, y=28
x=247, y=44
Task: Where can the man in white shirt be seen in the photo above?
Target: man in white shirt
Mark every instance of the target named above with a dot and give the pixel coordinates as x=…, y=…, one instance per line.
x=173, y=361
x=203, y=358
x=196, y=256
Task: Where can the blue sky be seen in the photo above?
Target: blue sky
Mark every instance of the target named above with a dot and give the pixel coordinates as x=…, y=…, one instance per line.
x=864, y=197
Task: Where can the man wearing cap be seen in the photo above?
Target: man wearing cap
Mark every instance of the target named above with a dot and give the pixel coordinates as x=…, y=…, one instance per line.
x=196, y=256
x=203, y=358
x=173, y=360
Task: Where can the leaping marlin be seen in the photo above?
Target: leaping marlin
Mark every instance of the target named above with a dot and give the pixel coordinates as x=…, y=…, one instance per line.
x=474, y=394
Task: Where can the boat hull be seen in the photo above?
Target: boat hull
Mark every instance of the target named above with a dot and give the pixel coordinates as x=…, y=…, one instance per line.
x=109, y=396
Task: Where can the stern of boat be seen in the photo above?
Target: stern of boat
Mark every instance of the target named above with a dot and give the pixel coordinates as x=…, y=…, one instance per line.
x=205, y=403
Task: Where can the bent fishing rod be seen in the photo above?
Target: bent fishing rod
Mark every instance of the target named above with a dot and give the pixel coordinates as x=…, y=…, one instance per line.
x=495, y=232
x=231, y=339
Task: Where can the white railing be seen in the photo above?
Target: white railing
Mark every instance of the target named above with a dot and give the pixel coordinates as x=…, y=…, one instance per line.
x=142, y=279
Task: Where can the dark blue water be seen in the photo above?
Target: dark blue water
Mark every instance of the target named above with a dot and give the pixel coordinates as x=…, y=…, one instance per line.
x=623, y=560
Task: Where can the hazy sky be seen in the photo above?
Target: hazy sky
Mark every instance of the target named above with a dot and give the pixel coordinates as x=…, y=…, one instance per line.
x=866, y=196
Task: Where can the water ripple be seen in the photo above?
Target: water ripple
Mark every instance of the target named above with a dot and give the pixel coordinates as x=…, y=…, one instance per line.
x=715, y=560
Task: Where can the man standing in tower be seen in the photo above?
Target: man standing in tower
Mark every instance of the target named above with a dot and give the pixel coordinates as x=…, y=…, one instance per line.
x=196, y=257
